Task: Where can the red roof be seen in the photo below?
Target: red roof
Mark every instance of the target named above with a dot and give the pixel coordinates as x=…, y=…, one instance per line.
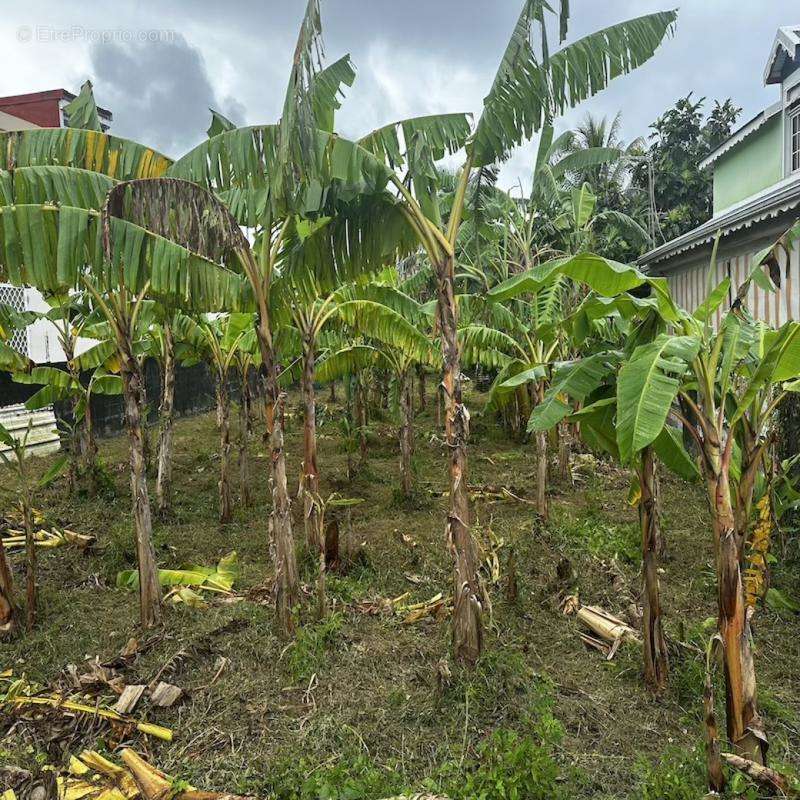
x=42, y=108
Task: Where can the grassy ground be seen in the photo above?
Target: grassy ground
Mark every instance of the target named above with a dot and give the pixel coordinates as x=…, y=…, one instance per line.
x=355, y=707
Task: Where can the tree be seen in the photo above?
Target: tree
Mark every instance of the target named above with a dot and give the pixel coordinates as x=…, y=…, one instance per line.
x=612, y=333
x=395, y=329
x=268, y=175
x=218, y=340
x=681, y=192
x=729, y=382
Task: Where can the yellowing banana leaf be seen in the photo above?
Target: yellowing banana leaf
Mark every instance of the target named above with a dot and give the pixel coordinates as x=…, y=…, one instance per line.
x=219, y=579
x=187, y=596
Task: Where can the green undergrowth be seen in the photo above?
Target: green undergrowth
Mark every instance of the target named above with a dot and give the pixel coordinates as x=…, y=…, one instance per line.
x=361, y=705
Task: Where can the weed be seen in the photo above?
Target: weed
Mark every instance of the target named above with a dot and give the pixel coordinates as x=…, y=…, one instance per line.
x=677, y=775
x=506, y=766
x=600, y=537
x=307, y=652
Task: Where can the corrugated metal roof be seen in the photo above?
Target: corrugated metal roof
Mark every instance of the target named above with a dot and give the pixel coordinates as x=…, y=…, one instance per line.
x=781, y=198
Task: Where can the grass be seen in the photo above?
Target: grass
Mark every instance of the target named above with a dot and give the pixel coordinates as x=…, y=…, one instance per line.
x=355, y=707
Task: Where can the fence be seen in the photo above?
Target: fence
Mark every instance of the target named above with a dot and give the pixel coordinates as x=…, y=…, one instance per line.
x=194, y=394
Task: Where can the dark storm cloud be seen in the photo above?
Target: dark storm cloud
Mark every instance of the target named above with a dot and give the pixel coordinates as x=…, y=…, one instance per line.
x=159, y=91
x=413, y=57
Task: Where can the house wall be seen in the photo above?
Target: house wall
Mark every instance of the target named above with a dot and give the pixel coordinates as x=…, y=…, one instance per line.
x=752, y=166
x=40, y=108
x=688, y=282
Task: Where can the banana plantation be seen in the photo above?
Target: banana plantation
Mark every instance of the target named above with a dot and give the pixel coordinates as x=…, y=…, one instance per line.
x=480, y=510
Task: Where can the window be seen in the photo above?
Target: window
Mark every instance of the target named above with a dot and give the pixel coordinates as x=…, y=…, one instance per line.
x=794, y=141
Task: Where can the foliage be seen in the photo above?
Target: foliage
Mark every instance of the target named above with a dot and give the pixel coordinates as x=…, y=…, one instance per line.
x=676, y=775
x=681, y=139
x=309, y=649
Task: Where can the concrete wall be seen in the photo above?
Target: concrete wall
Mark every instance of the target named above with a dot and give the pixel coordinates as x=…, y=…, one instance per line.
x=753, y=165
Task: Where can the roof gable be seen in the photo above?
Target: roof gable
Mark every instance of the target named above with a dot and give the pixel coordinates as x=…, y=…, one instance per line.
x=785, y=55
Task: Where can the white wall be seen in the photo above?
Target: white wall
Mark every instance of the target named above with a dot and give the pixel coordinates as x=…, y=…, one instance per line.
x=43, y=342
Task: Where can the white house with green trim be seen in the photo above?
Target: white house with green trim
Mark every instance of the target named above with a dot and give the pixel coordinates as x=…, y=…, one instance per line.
x=756, y=177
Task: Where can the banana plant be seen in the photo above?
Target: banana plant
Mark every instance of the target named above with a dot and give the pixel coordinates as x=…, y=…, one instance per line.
x=600, y=382
x=217, y=340
x=15, y=458
x=86, y=210
x=395, y=332
x=73, y=319
x=724, y=386
x=520, y=344
x=246, y=360
x=276, y=179
x=531, y=86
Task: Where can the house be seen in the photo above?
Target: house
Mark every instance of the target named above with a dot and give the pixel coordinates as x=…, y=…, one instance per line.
x=41, y=110
x=756, y=184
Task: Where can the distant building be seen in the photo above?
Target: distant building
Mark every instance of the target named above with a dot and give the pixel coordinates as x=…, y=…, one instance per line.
x=41, y=110
x=756, y=198
x=23, y=112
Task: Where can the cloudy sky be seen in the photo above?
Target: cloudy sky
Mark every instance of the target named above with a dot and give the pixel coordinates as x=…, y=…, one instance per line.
x=159, y=66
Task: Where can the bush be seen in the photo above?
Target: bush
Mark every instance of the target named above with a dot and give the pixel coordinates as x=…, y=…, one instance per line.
x=352, y=777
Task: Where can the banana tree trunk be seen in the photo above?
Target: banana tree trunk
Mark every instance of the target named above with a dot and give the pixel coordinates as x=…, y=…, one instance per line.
x=149, y=587
x=361, y=417
x=541, y=463
x=7, y=610
x=89, y=446
x=147, y=445
x=165, y=432
x=30, y=564
x=224, y=420
x=656, y=663
x=310, y=479
x=281, y=542
x=467, y=592
x=422, y=400
x=745, y=727
x=562, y=431
x=438, y=409
x=406, y=434
x=244, y=438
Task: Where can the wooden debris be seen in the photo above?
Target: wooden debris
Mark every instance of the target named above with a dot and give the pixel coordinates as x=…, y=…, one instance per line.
x=764, y=776
x=14, y=539
x=90, y=775
x=607, y=631
x=436, y=608
x=166, y=695
x=570, y=604
x=156, y=785
x=608, y=627
x=130, y=696
x=130, y=649
x=22, y=700
x=419, y=797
